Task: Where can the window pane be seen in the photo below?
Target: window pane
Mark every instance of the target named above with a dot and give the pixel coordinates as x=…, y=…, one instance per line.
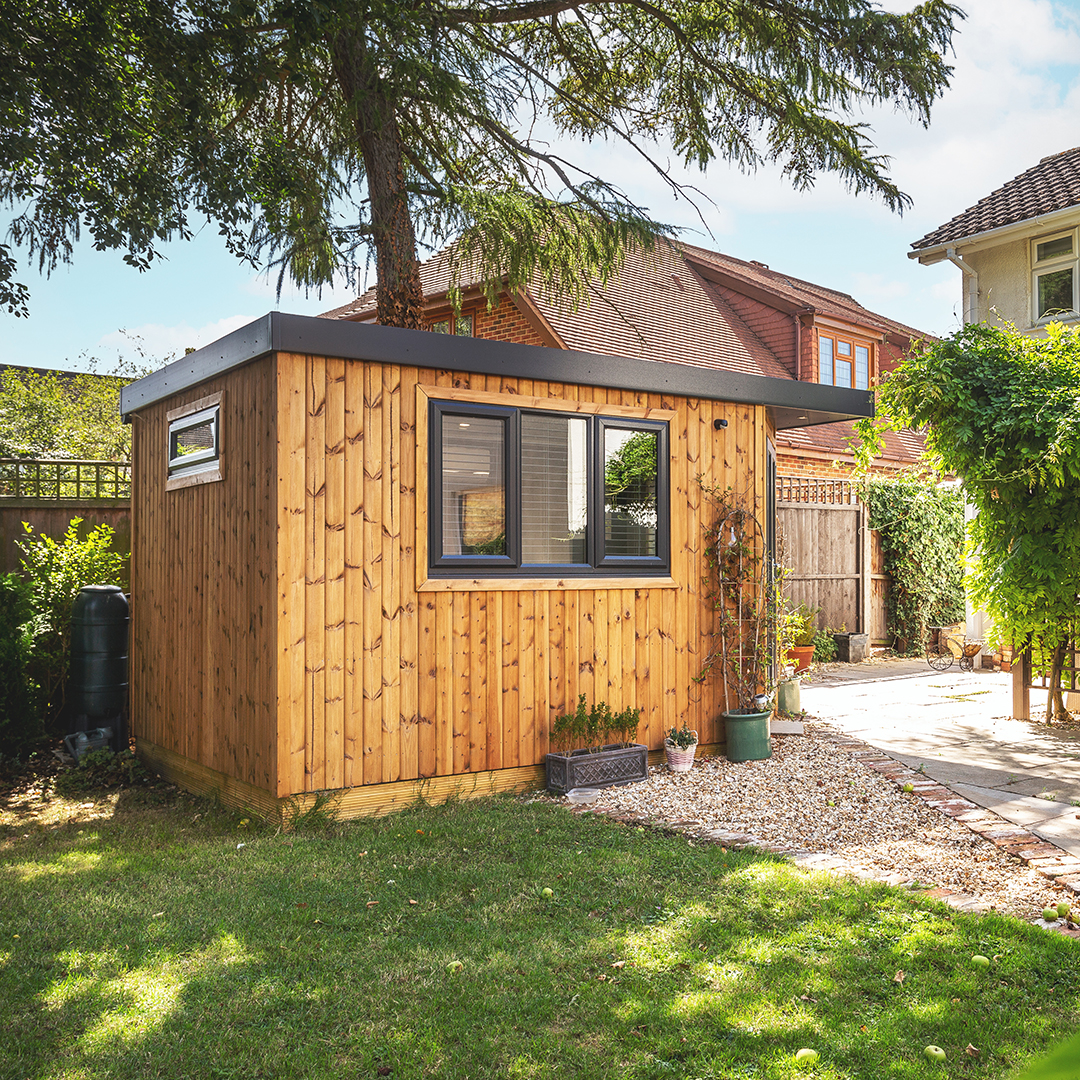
x=553, y=489
x=862, y=367
x=825, y=360
x=473, y=485
x=441, y=327
x=1055, y=292
x=463, y=326
x=1053, y=248
x=630, y=473
x=843, y=372
x=843, y=348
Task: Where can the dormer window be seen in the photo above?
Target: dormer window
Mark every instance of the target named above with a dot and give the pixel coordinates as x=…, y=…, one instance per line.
x=843, y=361
x=460, y=325
x=1054, y=277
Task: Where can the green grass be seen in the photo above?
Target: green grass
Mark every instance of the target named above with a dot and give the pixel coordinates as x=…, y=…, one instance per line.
x=148, y=944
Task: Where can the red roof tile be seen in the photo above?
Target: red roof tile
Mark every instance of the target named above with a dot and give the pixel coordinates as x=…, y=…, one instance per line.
x=1053, y=184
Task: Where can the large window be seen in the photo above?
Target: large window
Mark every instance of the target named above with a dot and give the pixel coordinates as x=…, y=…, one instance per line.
x=531, y=492
x=843, y=361
x=1054, y=278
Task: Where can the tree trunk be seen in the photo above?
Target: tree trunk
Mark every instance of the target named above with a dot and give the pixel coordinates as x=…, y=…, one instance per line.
x=399, y=295
x=1055, y=701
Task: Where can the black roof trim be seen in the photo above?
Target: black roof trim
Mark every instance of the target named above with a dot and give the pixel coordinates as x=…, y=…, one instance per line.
x=791, y=404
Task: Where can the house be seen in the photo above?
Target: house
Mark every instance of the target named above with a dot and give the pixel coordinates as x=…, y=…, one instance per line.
x=381, y=562
x=689, y=305
x=1018, y=248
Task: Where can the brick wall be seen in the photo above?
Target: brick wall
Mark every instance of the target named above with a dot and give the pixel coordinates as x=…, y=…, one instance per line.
x=502, y=323
x=822, y=466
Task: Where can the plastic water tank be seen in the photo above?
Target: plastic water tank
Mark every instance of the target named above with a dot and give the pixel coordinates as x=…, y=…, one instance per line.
x=98, y=678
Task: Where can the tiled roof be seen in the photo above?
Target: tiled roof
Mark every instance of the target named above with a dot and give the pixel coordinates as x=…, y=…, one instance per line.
x=1053, y=184
x=900, y=446
x=795, y=291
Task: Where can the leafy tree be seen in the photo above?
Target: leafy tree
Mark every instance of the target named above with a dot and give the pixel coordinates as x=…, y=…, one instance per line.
x=310, y=130
x=52, y=414
x=1002, y=412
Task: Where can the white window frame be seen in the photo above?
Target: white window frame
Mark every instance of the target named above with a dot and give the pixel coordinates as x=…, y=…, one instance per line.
x=202, y=466
x=1071, y=261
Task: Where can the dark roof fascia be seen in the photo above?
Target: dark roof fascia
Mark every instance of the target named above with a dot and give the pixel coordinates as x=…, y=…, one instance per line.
x=791, y=404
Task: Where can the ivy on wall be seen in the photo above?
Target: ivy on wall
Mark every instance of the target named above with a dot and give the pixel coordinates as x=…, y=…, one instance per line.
x=922, y=538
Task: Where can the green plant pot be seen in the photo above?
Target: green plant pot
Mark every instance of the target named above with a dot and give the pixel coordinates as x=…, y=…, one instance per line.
x=747, y=735
x=788, y=696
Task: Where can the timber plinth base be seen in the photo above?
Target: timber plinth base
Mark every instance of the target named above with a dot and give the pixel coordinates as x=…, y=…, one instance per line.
x=346, y=803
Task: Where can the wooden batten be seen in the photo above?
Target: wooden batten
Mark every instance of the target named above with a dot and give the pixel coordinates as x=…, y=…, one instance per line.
x=287, y=637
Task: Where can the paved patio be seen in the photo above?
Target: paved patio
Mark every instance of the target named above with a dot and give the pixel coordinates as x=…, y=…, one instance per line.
x=956, y=727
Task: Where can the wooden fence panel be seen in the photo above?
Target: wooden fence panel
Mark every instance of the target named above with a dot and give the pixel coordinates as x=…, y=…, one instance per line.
x=835, y=560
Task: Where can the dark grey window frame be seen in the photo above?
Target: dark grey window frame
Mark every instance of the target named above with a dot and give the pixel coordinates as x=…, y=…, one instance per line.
x=599, y=563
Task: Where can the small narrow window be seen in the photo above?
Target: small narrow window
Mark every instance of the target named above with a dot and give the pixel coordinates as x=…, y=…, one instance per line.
x=194, y=443
x=862, y=367
x=825, y=360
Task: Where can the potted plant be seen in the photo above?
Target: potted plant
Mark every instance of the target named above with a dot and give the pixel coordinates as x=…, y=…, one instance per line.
x=597, y=749
x=679, y=748
x=747, y=600
x=803, y=632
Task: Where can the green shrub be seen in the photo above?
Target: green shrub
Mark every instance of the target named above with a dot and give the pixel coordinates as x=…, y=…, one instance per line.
x=592, y=728
x=824, y=647
x=101, y=770
x=56, y=571
x=19, y=720
x=922, y=538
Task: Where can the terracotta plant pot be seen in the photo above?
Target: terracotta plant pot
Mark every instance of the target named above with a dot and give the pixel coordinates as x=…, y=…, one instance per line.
x=800, y=656
x=679, y=759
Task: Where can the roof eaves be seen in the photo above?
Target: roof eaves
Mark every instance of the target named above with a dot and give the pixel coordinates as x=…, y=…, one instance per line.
x=936, y=253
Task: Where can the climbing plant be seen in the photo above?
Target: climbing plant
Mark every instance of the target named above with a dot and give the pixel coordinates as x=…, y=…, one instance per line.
x=922, y=538
x=1002, y=412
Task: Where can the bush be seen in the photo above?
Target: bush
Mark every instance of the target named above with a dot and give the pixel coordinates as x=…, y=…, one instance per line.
x=824, y=647
x=19, y=719
x=101, y=770
x=56, y=571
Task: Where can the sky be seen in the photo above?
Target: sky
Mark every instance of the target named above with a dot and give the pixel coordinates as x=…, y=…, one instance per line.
x=1014, y=98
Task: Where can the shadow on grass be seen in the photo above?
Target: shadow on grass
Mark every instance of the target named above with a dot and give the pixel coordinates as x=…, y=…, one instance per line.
x=179, y=944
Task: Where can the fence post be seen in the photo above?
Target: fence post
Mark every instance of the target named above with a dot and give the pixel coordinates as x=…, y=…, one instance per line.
x=865, y=567
x=1021, y=682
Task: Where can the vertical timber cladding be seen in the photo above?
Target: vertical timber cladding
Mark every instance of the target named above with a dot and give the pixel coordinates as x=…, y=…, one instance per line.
x=204, y=617
x=383, y=677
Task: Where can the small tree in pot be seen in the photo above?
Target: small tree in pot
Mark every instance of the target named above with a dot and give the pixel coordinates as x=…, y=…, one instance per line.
x=747, y=601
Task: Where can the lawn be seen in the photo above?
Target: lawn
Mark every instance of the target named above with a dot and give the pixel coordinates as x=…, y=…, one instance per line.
x=173, y=939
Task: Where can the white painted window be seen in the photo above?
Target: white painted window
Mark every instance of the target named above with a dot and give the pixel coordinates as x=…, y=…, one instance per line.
x=1055, y=277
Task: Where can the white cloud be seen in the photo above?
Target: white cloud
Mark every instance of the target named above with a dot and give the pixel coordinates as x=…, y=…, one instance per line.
x=157, y=343
x=876, y=288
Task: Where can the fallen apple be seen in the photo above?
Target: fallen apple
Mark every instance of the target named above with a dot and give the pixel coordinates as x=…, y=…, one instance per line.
x=806, y=1056
x=934, y=1053
x=1050, y=914
x=909, y=787
x=547, y=892
x=1063, y=910
x=454, y=966
x=980, y=961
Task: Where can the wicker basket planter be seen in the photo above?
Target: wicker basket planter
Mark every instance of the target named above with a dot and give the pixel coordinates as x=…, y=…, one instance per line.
x=679, y=759
x=608, y=767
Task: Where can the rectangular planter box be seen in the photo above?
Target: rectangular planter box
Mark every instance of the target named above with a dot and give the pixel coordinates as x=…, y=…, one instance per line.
x=605, y=768
x=852, y=648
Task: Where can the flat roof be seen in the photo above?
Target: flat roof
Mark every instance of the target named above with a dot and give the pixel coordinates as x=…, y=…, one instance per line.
x=791, y=404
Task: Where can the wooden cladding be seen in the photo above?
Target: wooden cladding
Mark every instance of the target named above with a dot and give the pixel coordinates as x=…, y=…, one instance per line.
x=325, y=653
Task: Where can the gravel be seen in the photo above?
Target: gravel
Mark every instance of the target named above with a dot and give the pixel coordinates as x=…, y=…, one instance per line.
x=813, y=796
